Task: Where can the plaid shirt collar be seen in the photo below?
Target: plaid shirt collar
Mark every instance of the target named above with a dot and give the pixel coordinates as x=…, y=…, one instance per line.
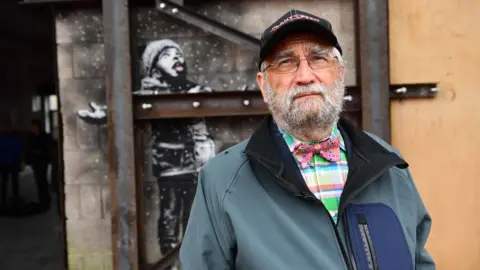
x=292, y=142
x=335, y=132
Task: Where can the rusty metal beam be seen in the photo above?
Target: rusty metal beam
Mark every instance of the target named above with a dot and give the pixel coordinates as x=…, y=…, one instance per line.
x=207, y=24
x=199, y=105
x=232, y=103
x=168, y=259
x=121, y=154
x=238, y=103
x=374, y=65
x=142, y=136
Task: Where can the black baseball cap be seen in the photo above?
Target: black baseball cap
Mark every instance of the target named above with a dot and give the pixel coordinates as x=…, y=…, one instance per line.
x=295, y=21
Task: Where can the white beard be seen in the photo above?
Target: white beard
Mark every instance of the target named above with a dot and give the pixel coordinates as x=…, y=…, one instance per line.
x=302, y=116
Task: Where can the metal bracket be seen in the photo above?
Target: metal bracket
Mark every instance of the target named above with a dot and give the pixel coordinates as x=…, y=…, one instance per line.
x=207, y=24
x=407, y=91
x=180, y=105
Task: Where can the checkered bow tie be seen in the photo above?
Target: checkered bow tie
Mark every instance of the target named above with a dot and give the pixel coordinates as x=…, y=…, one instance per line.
x=329, y=149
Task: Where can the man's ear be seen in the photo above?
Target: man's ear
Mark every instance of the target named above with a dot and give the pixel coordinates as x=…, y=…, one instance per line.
x=262, y=83
x=342, y=71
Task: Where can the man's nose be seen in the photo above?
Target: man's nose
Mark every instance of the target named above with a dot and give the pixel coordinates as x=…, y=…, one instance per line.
x=304, y=75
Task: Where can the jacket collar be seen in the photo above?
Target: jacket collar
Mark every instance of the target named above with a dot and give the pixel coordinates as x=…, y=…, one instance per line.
x=362, y=151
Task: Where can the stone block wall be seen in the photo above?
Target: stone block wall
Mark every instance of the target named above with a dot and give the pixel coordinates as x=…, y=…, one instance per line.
x=81, y=68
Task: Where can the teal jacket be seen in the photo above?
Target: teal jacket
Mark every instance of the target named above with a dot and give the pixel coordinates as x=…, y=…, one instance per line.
x=252, y=210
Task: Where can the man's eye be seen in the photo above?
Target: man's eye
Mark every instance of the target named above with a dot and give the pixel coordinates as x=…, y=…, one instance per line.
x=319, y=58
x=284, y=62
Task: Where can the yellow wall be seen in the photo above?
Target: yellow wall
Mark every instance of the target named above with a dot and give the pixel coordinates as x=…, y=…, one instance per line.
x=439, y=41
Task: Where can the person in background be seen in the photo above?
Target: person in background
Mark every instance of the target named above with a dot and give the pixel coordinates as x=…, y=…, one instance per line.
x=39, y=156
x=11, y=147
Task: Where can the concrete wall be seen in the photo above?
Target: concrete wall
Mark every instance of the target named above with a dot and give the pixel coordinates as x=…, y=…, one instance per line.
x=211, y=62
x=437, y=41
x=81, y=79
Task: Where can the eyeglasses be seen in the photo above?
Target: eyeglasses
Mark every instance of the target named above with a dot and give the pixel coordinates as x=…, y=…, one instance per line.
x=290, y=64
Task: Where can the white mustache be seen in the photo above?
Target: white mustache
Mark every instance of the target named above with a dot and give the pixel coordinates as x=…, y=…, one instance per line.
x=310, y=89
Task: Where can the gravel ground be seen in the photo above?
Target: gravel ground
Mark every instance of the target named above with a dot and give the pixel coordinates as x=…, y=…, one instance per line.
x=31, y=242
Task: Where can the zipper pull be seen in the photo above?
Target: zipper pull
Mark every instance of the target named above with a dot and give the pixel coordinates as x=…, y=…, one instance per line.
x=367, y=242
x=362, y=219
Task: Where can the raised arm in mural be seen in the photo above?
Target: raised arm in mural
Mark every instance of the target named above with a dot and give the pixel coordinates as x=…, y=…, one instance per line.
x=97, y=114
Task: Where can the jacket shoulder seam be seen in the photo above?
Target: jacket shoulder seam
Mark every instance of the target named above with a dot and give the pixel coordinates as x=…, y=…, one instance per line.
x=405, y=176
x=401, y=173
x=234, y=177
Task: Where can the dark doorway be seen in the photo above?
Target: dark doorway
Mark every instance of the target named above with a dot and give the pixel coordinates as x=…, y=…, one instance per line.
x=33, y=234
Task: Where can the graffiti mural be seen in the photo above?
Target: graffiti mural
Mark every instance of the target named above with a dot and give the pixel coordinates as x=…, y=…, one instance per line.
x=185, y=61
x=165, y=70
x=179, y=147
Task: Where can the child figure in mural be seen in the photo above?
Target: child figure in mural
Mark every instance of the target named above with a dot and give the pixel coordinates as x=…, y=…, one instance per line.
x=179, y=147
x=177, y=156
x=165, y=70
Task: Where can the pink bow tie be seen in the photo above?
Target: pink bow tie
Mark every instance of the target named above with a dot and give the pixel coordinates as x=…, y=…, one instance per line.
x=329, y=149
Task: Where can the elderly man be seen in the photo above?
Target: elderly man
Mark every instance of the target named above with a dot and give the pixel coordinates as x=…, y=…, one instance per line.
x=308, y=190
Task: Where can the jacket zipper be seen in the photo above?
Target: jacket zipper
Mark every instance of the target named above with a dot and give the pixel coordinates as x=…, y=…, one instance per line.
x=348, y=255
x=316, y=201
x=342, y=208
x=345, y=255
x=350, y=263
x=367, y=242
x=368, y=182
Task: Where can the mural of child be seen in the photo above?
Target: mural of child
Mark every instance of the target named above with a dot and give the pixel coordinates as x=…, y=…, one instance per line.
x=179, y=147
x=165, y=70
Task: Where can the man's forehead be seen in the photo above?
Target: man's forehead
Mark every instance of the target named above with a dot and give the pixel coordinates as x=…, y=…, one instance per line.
x=293, y=41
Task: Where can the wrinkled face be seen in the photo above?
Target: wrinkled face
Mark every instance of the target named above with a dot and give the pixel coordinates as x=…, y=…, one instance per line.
x=310, y=97
x=171, y=62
